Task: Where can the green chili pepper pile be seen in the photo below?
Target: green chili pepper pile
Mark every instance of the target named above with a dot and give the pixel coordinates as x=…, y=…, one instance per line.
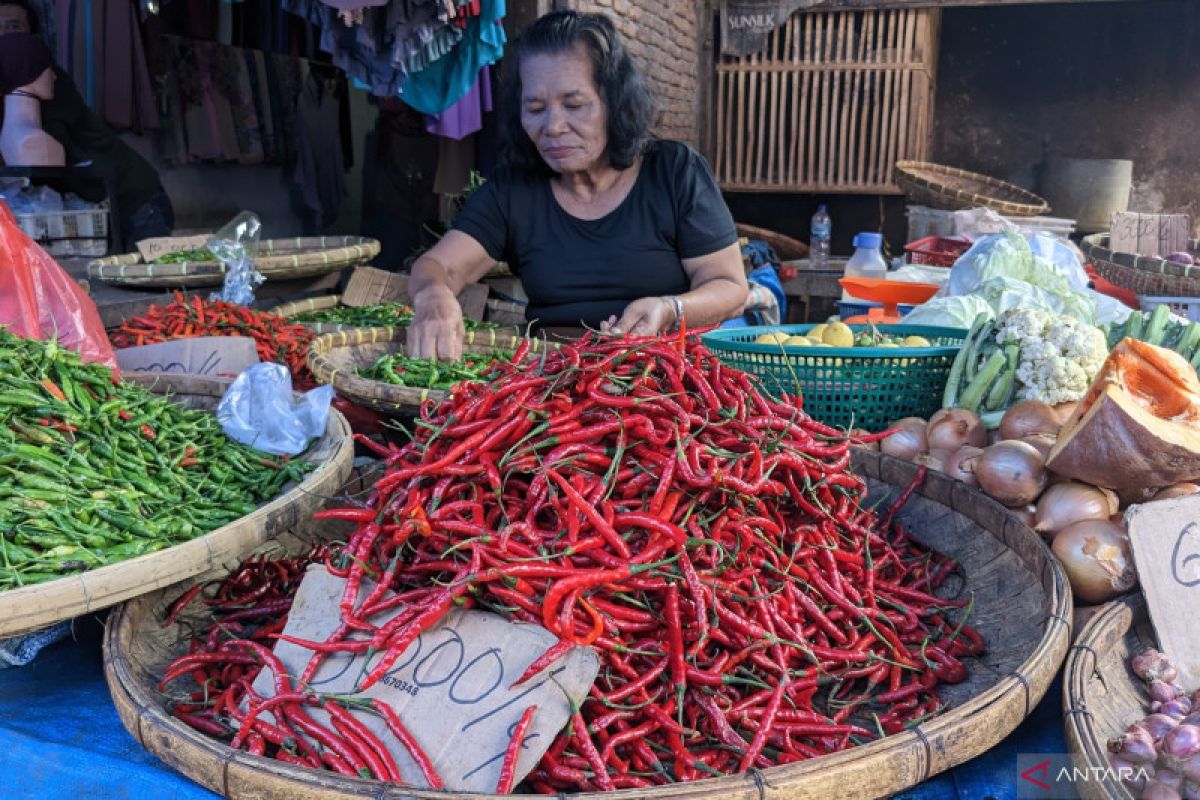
x=197, y=254
x=430, y=373
x=377, y=316
x=93, y=472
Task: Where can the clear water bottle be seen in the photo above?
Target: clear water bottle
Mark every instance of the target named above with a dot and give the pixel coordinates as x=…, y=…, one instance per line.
x=867, y=261
x=820, y=233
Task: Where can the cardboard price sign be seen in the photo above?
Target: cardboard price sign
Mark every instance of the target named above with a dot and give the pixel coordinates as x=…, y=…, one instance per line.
x=158, y=247
x=450, y=687
x=216, y=356
x=1165, y=537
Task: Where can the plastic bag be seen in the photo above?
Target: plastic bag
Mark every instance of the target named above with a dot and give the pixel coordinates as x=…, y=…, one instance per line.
x=17, y=651
x=259, y=409
x=39, y=300
x=236, y=244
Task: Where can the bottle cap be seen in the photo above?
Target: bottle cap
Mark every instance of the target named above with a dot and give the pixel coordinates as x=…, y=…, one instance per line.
x=821, y=208
x=867, y=239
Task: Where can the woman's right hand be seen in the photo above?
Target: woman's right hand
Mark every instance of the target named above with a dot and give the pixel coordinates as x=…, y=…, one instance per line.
x=437, y=327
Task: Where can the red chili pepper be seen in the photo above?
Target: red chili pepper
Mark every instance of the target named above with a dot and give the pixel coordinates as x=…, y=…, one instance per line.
x=508, y=767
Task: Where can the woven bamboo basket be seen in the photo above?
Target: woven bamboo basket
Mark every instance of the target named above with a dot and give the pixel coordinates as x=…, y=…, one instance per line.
x=1022, y=608
x=951, y=188
x=33, y=607
x=787, y=248
x=277, y=259
x=1145, y=275
x=335, y=358
x=473, y=300
x=1101, y=695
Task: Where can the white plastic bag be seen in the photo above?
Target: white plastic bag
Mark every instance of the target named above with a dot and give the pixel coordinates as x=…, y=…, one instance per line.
x=236, y=244
x=258, y=409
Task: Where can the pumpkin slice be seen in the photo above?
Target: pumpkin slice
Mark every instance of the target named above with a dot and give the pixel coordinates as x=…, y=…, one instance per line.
x=1138, y=426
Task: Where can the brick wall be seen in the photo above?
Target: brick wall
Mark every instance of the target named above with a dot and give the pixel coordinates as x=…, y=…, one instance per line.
x=664, y=38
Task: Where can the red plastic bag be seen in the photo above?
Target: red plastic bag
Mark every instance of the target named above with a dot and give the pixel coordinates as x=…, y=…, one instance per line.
x=38, y=299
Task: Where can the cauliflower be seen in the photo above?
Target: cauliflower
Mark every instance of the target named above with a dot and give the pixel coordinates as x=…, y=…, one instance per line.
x=1059, y=356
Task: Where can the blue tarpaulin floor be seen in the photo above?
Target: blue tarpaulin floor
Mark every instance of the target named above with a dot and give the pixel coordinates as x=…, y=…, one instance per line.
x=60, y=737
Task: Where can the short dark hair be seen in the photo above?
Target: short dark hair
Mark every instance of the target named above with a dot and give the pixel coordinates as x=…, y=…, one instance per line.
x=631, y=106
x=35, y=23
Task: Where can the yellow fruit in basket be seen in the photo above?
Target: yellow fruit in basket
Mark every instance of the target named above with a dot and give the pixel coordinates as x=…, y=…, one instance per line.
x=797, y=341
x=816, y=332
x=774, y=337
x=887, y=344
x=838, y=334
x=915, y=341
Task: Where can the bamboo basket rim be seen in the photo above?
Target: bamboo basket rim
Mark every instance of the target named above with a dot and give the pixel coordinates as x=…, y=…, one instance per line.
x=1098, y=249
x=928, y=749
x=787, y=248
x=1084, y=741
x=388, y=397
x=289, y=310
x=960, y=188
x=278, y=259
x=34, y=607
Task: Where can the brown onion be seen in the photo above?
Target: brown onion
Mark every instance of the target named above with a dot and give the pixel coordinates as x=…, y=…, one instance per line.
x=1065, y=503
x=1011, y=472
x=1042, y=442
x=1027, y=418
x=958, y=465
x=908, y=441
x=1178, y=490
x=952, y=428
x=934, y=459
x=1095, y=554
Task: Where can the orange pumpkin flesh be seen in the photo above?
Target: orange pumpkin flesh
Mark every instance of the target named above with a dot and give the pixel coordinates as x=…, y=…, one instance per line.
x=1138, y=426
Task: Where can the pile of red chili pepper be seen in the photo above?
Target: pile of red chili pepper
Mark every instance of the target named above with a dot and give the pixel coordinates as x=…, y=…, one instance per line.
x=709, y=542
x=277, y=338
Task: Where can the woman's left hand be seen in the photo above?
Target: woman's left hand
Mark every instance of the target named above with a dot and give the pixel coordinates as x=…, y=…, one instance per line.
x=644, y=317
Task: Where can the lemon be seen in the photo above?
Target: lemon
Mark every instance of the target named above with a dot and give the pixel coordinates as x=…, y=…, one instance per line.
x=797, y=341
x=816, y=332
x=915, y=341
x=774, y=337
x=838, y=334
x=887, y=344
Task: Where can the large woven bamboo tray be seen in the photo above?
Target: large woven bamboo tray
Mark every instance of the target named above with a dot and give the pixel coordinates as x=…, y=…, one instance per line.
x=277, y=259
x=1145, y=275
x=335, y=358
x=1101, y=695
x=473, y=300
x=951, y=188
x=33, y=607
x=1022, y=608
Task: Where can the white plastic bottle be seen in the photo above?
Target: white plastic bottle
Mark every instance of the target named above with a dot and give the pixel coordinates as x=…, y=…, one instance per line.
x=820, y=233
x=867, y=261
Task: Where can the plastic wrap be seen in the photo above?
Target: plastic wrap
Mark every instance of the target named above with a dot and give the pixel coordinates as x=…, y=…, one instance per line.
x=236, y=245
x=260, y=410
x=39, y=300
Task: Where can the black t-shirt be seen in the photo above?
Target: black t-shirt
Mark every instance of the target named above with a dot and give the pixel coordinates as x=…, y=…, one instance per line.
x=578, y=270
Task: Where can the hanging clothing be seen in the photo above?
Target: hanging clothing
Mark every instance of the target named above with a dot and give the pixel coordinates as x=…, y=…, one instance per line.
x=466, y=116
x=445, y=81
x=320, y=174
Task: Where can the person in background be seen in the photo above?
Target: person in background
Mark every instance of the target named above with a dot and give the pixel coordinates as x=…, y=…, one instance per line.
x=606, y=226
x=144, y=210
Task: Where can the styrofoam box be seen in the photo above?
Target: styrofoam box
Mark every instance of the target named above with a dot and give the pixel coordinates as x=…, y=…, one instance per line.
x=1186, y=307
x=68, y=233
x=924, y=221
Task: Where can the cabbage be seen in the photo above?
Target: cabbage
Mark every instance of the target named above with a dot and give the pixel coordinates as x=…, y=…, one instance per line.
x=950, y=312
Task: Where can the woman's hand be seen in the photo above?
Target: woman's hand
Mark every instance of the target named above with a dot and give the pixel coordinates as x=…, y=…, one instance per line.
x=437, y=328
x=644, y=317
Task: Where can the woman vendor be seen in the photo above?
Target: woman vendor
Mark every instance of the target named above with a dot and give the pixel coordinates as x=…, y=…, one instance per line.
x=607, y=227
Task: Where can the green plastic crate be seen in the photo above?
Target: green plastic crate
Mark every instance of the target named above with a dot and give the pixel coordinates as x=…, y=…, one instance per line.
x=861, y=387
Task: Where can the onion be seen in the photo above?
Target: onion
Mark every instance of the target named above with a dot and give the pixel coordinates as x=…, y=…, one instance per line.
x=1042, y=442
x=1095, y=554
x=1191, y=769
x=1179, y=708
x=1182, y=258
x=958, y=465
x=1168, y=777
x=908, y=442
x=1063, y=411
x=1158, y=790
x=1065, y=503
x=934, y=459
x=1026, y=514
x=952, y=428
x=1162, y=692
x=1137, y=747
x=1191, y=791
x=1158, y=725
x=1029, y=417
x=1011, y=472
x=1153, y=665
x=1178, y=490
x=1134, y=775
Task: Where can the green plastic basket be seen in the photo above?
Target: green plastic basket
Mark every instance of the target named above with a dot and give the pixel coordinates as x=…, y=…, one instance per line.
x=861, y=387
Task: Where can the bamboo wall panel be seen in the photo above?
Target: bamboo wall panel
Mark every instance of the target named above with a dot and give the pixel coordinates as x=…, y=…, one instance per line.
x=831, y=103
